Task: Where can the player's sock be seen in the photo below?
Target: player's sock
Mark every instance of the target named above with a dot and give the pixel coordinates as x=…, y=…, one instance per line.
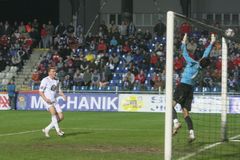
x=189, y=122
x=55, y=122
x=51, y=125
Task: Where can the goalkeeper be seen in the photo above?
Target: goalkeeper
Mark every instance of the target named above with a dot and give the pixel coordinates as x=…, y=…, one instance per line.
x=184, y=91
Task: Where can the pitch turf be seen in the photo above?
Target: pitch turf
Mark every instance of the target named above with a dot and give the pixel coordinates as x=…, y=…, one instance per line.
x=103, y=136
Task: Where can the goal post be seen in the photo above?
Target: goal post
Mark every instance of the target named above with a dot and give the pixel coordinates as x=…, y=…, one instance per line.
x=169, y=79
x=224, y=90
x=169, y=86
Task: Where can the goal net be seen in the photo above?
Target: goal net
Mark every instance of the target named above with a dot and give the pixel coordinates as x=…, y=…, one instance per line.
x=215, y=108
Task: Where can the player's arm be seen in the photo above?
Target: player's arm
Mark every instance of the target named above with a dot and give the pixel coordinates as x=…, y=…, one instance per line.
x=184, y=50
x=60, y=93
x=209, y=48
x=41, y=92
x=45, y=98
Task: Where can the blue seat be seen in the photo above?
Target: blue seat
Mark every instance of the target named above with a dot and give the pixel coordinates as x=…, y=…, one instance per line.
x=206, y=89
x=83, y=88
x=198, y=89
x=115, y=76
x=151, y=70
x=136, y=88
x=216, y=89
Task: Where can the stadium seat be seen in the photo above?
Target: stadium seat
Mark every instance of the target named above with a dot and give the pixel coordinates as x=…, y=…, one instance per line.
x=2, y=75
x=198, y=89
x=206, y=89
x=136, y=88
x=216, y=89
x=5, y=81
x=83, y=88
x=151, y=70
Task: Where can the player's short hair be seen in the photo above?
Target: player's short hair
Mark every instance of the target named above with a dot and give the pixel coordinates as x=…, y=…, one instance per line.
x=204, y=62
x=49, y=68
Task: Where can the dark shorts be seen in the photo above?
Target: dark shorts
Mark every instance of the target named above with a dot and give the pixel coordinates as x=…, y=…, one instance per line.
x=184, y=95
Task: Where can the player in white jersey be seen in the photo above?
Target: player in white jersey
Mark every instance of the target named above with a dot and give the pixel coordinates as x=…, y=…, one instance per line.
x=49, y=90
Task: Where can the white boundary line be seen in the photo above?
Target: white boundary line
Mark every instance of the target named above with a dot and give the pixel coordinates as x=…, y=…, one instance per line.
x=89, y=129
x=206, y=148
x=18, y=133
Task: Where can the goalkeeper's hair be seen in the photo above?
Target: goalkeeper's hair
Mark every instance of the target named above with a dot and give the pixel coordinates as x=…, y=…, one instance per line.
x=204, y=62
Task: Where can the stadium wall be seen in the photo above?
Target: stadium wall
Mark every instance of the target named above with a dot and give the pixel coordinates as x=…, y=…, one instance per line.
x=215, y=6
x=112, y=102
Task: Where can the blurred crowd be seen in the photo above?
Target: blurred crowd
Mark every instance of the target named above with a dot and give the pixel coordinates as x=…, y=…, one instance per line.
x=15, y=44
x=121, y=56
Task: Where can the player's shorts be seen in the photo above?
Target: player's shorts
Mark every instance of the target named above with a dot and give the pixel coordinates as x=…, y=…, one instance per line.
x=55, y=105
x=184, y=95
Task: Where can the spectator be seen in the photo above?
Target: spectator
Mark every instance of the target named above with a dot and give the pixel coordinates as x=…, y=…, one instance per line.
x=123, y=29
x=60, y=29
x=35, y=37
x=87, y=77
x=128, y=80
x=78, y=78
x=35, y=77
x=147, y=35
x=11, y=89
x=67, y=83
x=50, y=31
x=156, y=81
x=36, y=25
x=44, y=36
x=102, y=47
x=95, y=78
x=112, y=29
x=154, y=59
x=160, y=28
x=131, y=29
x=70, y=29
x=140, y=77
x=113, y=42
x=192, y=46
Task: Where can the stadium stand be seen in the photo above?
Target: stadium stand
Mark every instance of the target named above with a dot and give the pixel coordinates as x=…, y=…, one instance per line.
x=102, y=61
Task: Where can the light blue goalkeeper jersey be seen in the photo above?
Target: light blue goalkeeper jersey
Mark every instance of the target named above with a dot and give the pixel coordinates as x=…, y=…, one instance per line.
x=192, y=67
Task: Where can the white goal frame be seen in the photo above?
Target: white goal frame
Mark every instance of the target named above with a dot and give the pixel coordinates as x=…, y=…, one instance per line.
x=169, y=81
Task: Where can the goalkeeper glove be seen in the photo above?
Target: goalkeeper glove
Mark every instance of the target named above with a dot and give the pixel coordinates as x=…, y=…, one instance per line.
x=184, y=41
x=213, y=38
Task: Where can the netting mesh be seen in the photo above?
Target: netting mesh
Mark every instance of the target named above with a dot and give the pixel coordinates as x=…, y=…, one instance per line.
x=207, y=106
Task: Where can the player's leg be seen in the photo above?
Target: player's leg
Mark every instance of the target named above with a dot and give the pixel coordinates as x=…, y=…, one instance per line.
x=178, y=98
x=186, y=109
x=52, y=111
x=59, y=114
x=176, y=124
x=189, y=122
x=54, y=122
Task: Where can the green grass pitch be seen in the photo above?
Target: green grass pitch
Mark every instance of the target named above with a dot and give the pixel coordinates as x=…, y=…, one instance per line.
x=104, y=136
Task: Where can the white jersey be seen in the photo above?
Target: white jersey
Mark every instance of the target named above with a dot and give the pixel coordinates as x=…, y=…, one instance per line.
x=50, y=87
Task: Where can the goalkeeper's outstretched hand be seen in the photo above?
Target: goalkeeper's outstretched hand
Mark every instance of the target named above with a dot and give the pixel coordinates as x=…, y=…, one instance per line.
x=184, y=41
x=213, y=38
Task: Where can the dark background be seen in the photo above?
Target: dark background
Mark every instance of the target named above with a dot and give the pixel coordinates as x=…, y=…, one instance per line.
x=27, y=10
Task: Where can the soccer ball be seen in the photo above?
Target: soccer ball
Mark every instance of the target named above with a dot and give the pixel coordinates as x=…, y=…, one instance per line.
x=229, y=32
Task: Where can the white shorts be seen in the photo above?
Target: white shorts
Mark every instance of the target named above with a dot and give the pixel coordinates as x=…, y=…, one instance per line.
x=55, y=105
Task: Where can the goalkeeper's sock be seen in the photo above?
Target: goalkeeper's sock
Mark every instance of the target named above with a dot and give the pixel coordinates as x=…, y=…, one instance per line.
x=174, y=114
x=189, y=122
